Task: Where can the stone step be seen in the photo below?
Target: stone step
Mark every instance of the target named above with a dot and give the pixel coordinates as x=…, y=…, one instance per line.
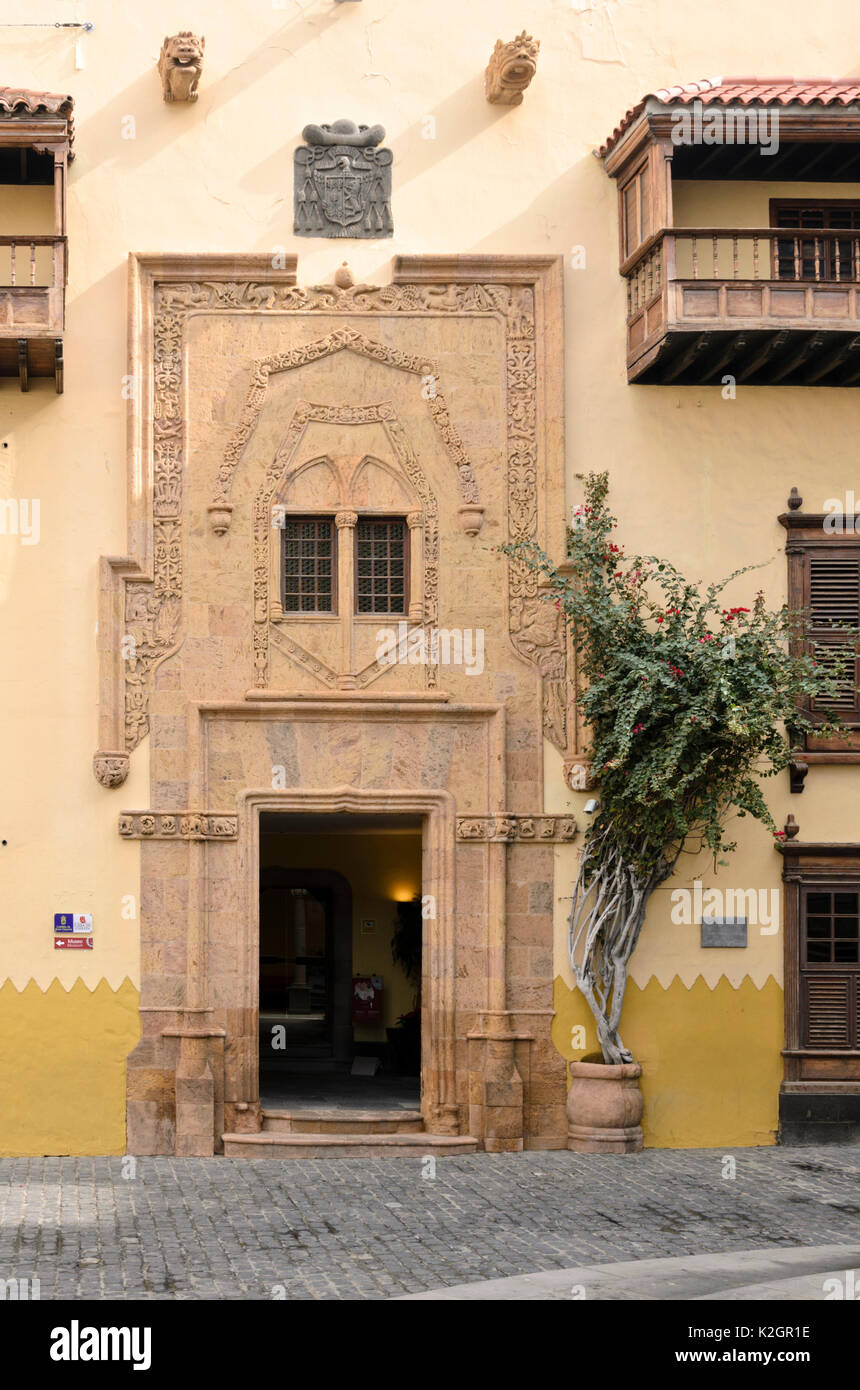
x=348, y=1145
x=342, y=1121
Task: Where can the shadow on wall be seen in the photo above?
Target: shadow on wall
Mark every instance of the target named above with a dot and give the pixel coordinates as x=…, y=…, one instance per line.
x=157, y=126
x=711, y=1063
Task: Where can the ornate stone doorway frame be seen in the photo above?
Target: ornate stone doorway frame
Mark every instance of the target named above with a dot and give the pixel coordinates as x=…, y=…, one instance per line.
x=438, y=831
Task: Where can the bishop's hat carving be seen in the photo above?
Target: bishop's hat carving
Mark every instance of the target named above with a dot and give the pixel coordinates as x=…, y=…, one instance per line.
x=342, y=182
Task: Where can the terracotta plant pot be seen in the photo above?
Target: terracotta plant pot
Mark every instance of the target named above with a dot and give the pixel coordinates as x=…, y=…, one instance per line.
x=604, y=1108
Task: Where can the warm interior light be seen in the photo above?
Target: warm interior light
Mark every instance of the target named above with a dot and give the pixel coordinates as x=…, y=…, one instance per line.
x=403, y=894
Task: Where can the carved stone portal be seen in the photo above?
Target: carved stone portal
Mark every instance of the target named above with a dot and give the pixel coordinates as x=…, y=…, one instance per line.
x=510, y=69
x=432, y=397
x=180, y=66
x=342, y=182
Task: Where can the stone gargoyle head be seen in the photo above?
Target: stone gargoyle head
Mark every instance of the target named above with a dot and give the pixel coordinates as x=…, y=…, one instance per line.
x=180, y=66
x=511, y=68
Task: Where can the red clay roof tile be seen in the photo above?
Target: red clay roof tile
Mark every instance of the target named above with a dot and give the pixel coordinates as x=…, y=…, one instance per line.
x=16, y=99
x=745, y=91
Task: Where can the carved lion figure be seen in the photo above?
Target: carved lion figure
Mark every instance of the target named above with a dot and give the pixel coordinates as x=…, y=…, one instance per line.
x=180, y=66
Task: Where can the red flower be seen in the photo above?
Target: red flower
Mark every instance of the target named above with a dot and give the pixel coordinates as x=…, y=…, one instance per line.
x=660, y=620
x=637, y=728
x=779, y=834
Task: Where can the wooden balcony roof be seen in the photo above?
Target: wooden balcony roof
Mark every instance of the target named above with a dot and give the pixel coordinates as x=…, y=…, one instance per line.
x=24, y=102
x=803, y=92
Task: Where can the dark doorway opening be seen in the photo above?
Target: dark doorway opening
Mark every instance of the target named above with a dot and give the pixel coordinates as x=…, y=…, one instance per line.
x=339, y=986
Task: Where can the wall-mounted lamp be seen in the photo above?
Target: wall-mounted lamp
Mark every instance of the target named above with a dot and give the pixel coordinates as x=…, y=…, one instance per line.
x=591, y=806
x=403, y=894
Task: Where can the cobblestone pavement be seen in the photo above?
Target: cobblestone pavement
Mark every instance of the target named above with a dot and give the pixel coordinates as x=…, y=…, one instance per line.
x=376, y=1228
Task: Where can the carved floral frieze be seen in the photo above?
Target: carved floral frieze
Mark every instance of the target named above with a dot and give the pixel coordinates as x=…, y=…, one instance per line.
x=177, y=825
x=540, y=829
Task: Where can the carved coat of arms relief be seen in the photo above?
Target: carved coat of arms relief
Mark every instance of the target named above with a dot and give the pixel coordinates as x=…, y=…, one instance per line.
x=343, y=182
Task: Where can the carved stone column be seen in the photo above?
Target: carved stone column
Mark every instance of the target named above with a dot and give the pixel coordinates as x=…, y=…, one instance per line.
x=346, y=523
x=415, y=522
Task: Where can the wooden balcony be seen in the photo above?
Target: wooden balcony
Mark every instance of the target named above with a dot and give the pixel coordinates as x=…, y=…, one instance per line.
x=768, y=307
x=33, y=272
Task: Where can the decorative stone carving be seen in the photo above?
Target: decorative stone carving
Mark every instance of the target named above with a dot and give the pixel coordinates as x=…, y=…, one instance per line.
x=180, y=66
x=110, y=768
x=339, y=341
x=153, y=607
x=266, y=632
x=538, y=829
x=342, y=182
x=471, y=519
x=510, y=69
x=177, y=825
x=220, y=516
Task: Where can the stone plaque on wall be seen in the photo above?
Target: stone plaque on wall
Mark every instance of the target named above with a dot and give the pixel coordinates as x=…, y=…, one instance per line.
x=342, y=182
x=724, y=931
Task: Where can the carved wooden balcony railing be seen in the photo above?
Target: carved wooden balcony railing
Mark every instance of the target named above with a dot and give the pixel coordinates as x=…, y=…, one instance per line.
x=768, y=306
x=33, y=272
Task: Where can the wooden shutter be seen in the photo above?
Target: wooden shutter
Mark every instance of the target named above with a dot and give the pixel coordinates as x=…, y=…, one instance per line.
x=826, y=1011
x=833, y=601
x=636, y=210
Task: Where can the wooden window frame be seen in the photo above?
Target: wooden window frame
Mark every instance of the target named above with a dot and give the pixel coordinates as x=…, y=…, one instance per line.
x=778, y=204
x=828, y=966
x=807, y=539
x=299, y=614
x=807, y=868
x=383, y=519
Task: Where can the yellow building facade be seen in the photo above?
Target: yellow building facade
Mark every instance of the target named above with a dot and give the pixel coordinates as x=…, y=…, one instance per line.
x=218, y=344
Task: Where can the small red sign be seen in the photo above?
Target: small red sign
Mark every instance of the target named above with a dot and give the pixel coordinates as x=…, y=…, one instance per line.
x=73, y=943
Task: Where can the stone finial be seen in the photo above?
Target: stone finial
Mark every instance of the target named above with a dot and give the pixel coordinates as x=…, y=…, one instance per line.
x=510, y=69
x=344, y=278
x=180, y=66
x=795, y=501
x=791, y=827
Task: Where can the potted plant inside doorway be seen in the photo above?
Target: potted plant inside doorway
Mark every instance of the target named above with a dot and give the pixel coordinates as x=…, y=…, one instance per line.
x=686, y=703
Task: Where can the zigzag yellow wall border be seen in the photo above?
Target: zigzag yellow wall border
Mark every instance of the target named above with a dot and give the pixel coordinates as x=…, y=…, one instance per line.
x=62, y=1067
x=710, y=1056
